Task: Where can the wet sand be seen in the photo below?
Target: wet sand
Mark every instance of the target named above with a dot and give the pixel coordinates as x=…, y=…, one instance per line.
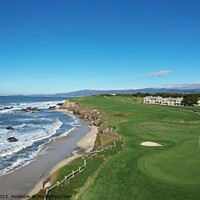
x=86, y=144
x=23, y=180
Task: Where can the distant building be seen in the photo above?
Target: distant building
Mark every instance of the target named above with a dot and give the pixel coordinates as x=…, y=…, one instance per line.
x=172, y=101
x=163, y=101
x=153, y=100
x=198, y=103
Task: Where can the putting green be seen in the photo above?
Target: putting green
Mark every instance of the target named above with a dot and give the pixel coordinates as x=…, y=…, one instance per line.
x=179, y=164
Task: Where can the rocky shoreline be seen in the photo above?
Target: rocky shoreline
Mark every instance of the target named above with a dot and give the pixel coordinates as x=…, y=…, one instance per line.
x=92, y=115
x=99, y=136
x=95, y=118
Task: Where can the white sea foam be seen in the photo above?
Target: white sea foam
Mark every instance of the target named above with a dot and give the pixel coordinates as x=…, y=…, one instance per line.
x=25, y=140
x=26, y=160
x=20, y=126
x=7, y=110
x=17, y=164
x=28, y=131
x=39, y=105
x=66, y=133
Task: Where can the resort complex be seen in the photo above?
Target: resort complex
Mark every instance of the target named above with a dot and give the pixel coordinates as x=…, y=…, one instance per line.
x=163, y=101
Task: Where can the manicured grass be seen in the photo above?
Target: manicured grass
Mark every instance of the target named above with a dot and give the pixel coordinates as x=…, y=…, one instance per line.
x=170, y=172
x=178, y=165
x=62, y=172
x=72, y=187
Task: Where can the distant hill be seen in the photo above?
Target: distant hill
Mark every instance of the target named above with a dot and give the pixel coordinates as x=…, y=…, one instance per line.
x=128, y=91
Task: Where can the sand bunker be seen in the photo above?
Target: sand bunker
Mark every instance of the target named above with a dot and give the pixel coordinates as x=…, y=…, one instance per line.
x=151, y=144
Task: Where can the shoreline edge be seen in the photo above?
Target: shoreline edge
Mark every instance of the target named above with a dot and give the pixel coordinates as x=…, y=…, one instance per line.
x=86, y=144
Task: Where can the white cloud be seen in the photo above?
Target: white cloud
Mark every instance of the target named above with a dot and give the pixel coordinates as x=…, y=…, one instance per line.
x=161, y=73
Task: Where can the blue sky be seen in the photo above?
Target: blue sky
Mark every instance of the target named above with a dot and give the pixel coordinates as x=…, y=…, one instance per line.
x=50, y=46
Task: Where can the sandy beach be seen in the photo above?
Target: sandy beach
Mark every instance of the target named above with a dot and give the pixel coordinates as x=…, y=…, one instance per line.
x=28, y=179
x=86, y=144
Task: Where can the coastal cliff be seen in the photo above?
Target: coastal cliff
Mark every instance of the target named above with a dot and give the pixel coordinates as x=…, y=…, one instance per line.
x=95, y=118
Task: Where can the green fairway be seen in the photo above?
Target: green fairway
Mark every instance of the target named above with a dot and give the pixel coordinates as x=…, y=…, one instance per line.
x=169, y=172
x=179, y=165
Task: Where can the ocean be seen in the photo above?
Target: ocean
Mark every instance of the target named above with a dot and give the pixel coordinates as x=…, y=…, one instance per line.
x=31, y=129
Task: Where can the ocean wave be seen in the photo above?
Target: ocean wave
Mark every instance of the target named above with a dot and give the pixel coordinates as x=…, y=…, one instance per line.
x=21, y=126
x=7, y=110
x=33, y=131
x=19, y=106
x=40, y=105
x=21, y=161
x=25, y=140
x=24, y=160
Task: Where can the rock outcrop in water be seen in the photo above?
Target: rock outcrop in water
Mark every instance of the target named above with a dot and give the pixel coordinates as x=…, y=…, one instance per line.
x=52, y=107
x=8, y=108
x=12, y=139
x=59, y=104
x=10, y=128
x=30, y=109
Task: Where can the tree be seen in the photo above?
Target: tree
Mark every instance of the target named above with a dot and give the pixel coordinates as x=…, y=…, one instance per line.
x=190, y=100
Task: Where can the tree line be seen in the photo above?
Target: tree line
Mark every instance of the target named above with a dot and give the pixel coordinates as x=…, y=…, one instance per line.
x=188, y=99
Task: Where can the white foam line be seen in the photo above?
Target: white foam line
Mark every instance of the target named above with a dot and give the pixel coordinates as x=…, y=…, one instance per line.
x=24, y=144
x=25, y=161
x=35, y=155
